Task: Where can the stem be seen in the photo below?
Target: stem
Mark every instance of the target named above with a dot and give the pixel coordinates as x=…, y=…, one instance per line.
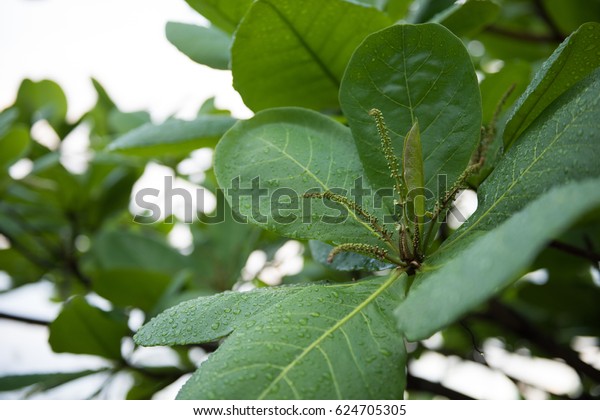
x=523, y=36
x=19, y=318
x=578, y=252
x=420, y=384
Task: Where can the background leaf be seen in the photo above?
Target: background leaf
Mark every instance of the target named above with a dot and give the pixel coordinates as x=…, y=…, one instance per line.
x=346, y=261
x=173, y=137
x=84, y=329
x=42, y=381
x=208, y=46
x=304, y=63
x=226, y=14
x=468, y=18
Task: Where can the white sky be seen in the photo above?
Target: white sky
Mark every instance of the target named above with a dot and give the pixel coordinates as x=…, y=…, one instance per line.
x=119, y=42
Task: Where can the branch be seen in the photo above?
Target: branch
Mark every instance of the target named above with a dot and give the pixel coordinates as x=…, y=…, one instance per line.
x=543, y=14
x=578, y=252
x=523, y=36
x=26, y=320
x=419, y=384
x=515, y=322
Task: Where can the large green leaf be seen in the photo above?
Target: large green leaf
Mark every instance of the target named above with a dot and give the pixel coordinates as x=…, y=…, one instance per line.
x=303, y=342
x=562, y=145
x=468, y=18
x=572, y=61
x=173, y=137
x=465, y=276
x=289, y=152
x=208, y=46
x=84, y=329
x=302, y=64
x=226, y=14
x=414, y=72
x=42, y=381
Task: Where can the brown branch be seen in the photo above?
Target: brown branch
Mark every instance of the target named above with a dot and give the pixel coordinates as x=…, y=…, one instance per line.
x=592, y=256
x=423, y=385
x=26, y=320
x=543, y=14
x=523, y=36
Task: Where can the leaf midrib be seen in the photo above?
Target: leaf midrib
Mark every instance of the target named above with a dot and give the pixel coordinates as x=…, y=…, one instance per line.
x=315, y=344
x=336, y=82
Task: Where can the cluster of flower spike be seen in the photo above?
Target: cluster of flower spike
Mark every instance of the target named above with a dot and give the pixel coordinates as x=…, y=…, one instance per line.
x=410, y=245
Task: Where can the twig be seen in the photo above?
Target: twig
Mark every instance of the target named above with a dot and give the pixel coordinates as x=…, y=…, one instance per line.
x=578, y=252
x=523, y=36
x=419, y=384
x=19, y=318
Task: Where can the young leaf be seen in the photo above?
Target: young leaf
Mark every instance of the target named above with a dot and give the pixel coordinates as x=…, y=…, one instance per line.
x=291, y=53
x=414, y=72
x=474, y=270
x=173, y=137
x=572, y=61
x=208, y=46
x=270, y=161
x=302, y=342
x=84, y=329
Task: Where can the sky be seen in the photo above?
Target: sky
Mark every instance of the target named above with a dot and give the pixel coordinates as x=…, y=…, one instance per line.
x=121, y=43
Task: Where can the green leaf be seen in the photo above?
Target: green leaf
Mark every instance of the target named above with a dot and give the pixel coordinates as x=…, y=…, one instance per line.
x=208, y=46
x=19, y=268
x=123, y=122
x=572, y=61
x=173, y=137
x=289, y=152
x=84, y=329
x=13, y=145
x=468, y=18
x=302, y=64
x=310, y=342
x=42, y=381
x=43, y=100
x=569, y=15
x=141, y=288
x=560, y=146
x=346, y=261
x=414, y=72
x=226, y=14
x=116, y=250
x=464, y=277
